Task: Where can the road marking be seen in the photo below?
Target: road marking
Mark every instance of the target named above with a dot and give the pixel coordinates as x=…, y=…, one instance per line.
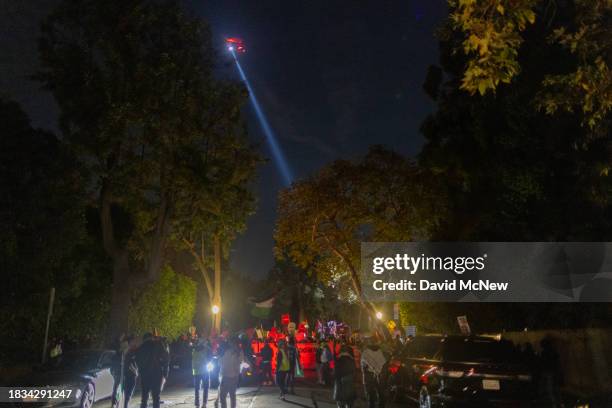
x=254, y=397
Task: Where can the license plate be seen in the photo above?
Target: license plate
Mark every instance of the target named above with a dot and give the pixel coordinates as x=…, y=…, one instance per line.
x=490, y=385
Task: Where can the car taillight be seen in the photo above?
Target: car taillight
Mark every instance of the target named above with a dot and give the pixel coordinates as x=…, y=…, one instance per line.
x=429, y=371
x=394, y=366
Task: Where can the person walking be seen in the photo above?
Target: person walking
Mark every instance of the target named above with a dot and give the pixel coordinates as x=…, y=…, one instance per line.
x=153, y=362
x=323, y=358
x=372, y=362
x=130, y=371
x=266, y=363
x=282, y=367
x=294, y=364
x=200, y=356
x=116, y=369
x=231, y=359
x=344, y=378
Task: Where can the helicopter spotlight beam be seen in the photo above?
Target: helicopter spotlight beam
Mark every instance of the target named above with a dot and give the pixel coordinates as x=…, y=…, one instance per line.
x=277, y=152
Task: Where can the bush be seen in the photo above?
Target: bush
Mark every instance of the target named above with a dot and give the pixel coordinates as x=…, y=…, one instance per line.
x=168, y=305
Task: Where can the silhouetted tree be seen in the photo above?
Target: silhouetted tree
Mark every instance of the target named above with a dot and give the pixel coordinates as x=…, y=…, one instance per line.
x=138, y=105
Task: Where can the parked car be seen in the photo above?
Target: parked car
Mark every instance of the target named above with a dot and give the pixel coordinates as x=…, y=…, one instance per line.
x=87, y=372
x=465, y=371
x=401, y=381
x=250, y=373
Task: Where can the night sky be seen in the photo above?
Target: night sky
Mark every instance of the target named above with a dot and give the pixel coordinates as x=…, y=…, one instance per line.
x=333, y=78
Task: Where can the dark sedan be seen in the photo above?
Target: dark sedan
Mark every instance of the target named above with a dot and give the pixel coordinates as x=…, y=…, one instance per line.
x=464, y=371
x=403, y=371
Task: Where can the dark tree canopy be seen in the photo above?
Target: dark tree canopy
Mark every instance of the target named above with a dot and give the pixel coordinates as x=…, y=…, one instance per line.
x=145, y=117
x=514, y=172
x=44, y=240
x=493, y=33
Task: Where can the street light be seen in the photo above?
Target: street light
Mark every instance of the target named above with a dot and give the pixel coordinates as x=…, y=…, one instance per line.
x=216, y=309
x=379, y=315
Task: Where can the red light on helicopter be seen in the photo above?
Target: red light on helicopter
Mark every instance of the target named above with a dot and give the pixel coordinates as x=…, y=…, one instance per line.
x=235, y=44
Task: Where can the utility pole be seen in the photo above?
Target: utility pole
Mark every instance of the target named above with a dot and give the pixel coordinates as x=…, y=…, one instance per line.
x=217, y=297
x=49, y=313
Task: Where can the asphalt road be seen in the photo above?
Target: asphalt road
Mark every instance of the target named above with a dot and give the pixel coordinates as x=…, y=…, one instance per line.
x=307, y=395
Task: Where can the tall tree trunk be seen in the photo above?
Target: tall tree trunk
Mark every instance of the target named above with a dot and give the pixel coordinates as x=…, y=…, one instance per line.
x=124, y=280
x=120, y=297
x=120, y=293
x=155, y=260
x=200, y=261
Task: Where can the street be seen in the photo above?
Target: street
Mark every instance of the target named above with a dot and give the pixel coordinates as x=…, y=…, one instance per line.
x=307, y=395
x=248, y=397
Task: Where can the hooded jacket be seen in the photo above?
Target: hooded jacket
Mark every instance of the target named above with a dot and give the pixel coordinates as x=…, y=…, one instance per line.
x=153, y=359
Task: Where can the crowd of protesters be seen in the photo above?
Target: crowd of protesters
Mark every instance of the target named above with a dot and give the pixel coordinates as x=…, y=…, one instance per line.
x=339, y=362
x=356, y=361
x=352, y=365
x=149, y=360
x=342, y=362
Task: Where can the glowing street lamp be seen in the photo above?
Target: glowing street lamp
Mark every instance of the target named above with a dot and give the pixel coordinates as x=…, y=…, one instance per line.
x=215, y=309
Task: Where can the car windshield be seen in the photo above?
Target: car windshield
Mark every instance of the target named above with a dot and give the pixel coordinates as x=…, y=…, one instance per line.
x=477, y=351
x=422, y=347
x=73, y=361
